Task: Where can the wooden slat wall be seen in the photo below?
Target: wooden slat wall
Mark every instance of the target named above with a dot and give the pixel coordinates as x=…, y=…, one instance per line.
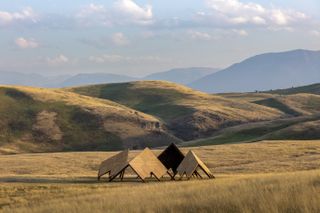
x=114, y=164
x=146, y=163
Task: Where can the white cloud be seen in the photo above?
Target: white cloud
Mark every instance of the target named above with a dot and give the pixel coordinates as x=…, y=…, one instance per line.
x=26, y=14
x=236, y=12
x=216, y=34
x=26, y=43
x=258, y=20
x=106, y=58
x=94, y=14
x=58, y=60
x=91, y=9
x=315, y=33
x=122, y=12
x=130, y=11
x=109, y=58
x=240, y=32
x=200, y=35
x=119, y=39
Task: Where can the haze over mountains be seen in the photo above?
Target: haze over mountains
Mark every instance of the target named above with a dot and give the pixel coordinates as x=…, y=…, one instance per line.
x=182, y=75
x=265, y=72
x=178, y=75
x=262, y=72
x=94, y=78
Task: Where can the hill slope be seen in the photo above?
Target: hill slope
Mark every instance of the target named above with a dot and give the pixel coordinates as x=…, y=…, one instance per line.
x=265, y=72
x=302, y=122
x=298, y=104
x=182, y=75
x=188, y=113
x=312, y=89
x=37, y=120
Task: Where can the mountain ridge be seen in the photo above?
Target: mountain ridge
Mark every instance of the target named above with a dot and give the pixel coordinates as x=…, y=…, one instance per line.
x=264, y=72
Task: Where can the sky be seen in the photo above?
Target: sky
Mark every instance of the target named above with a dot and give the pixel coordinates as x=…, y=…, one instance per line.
x=139, y=37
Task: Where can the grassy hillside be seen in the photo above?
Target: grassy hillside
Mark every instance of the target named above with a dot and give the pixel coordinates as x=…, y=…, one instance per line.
x=37, y=120
x=298, y=104
x=188, y=113
x=312, y=89
x=277, y=176
x=302, y=127
x=294, y=105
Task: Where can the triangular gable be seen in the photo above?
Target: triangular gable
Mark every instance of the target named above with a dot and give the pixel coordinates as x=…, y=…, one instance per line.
x=171, y=157
x=190, y=164
x=146, y=163
x=114, y=165
x=202, y=165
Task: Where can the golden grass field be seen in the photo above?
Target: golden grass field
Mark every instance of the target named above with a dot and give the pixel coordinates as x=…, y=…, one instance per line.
x=270, y=176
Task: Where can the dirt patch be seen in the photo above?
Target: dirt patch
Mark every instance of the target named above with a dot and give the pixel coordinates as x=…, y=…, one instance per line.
x=46, y=129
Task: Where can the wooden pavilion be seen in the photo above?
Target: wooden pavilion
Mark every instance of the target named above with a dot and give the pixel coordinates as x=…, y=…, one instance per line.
x=145, y=165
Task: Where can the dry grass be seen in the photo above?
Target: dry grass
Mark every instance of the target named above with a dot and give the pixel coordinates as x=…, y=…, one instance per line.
x=169, y=93
x=257, y=177
x=288, y=192
x=261, y=157
x=98, y=105
x=73, y=121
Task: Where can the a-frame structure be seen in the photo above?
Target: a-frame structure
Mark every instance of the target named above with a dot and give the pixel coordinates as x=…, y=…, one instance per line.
x=114, y=165
x=190, y=166
x=171, y=158
x=145, y=165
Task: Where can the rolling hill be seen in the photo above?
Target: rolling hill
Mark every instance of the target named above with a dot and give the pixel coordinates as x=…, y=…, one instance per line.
x=45, y=120
x=182, y=75
x=312, y=89
x=147, y=113
x=265, y=72
x=302, y=120
x=189, y=114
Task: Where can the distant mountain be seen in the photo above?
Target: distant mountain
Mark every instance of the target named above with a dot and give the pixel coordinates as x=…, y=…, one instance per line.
x=182, y=75
x=27, y=79
x=14, y=78
x=265, y=72
x=94, y=78
x=30, y=79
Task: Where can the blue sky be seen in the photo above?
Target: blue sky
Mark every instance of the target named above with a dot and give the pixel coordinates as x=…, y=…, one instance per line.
x=138, y=37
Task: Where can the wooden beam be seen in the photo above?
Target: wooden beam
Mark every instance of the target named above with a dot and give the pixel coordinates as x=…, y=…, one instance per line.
x=209, y=175
x=171, y=176
x=197, y=174
x=119, y=173
x=154, y=176
x=137, y=174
